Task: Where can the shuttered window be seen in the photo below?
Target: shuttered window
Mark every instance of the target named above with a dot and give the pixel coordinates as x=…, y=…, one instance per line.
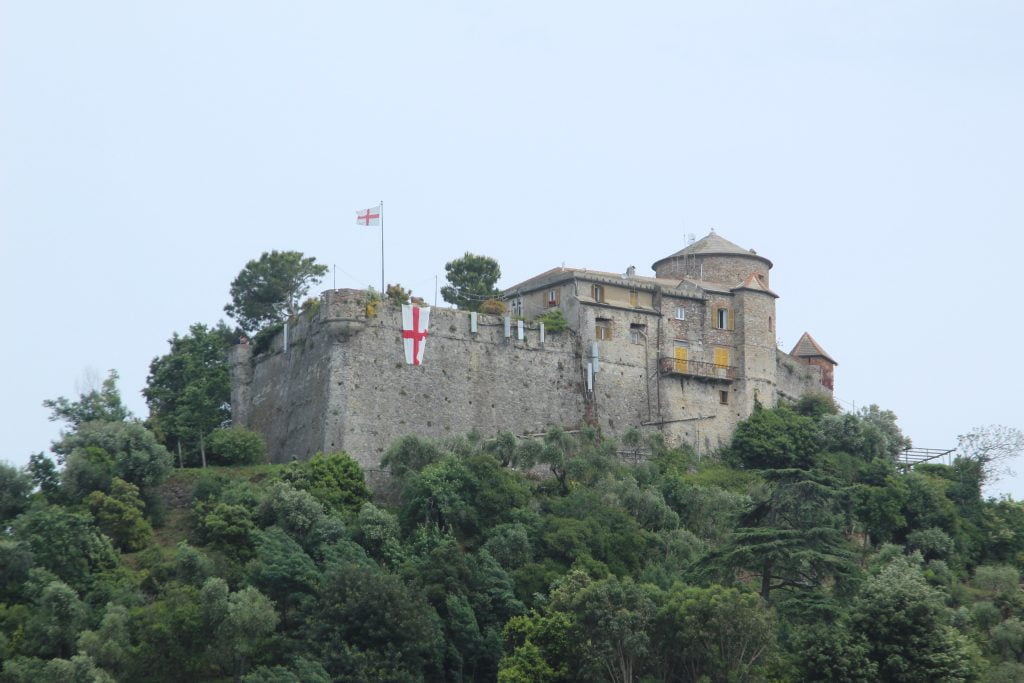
x=724, y=319
x=681, y=363
x=721, y=357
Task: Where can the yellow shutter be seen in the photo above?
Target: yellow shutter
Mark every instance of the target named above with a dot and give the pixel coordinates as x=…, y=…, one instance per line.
x=732, y=320
x=721, y=358
x=681, y=364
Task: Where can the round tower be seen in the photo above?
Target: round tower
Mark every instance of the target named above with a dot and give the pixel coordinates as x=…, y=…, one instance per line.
x=714, y=259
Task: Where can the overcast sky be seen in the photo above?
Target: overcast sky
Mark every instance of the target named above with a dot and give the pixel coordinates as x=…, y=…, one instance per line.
x=874, y=150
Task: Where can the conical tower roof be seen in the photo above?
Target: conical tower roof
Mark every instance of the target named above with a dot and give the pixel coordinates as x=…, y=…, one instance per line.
x=713, y=245
x=806, y=347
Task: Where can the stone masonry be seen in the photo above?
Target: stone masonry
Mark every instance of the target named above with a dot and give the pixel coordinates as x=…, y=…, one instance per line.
x=687, y=353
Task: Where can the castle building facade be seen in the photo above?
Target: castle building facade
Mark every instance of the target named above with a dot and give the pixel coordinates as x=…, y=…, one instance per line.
x=686, y=353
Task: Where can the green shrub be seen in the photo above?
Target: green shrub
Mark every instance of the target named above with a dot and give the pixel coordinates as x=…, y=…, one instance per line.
x=237, y=446
x=334, y=479
x=554, y=321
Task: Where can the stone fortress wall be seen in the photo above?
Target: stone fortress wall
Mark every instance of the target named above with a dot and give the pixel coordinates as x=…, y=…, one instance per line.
x=343, y=383
x=688, y=358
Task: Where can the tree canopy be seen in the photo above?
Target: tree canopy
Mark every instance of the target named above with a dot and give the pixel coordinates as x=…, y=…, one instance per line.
x=471, y=281
x=272, y=287
x=188, y=390
x=800, y=552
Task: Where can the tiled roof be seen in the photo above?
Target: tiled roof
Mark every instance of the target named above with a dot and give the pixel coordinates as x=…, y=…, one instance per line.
x=753, y=282
x=556, y=275
x=714, y=243
x=808, y=348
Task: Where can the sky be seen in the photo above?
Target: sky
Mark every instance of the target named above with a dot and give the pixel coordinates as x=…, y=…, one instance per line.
x=873, y=150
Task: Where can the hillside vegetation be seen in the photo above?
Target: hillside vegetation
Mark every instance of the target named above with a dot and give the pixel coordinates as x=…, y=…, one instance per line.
x=801, y=552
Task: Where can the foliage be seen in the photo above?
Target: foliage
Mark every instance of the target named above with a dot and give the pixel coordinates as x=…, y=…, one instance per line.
x=471, y=281
x=776, y=438
x=188, y=390
x=554, y=321
x=65, y=543
x=716, y=632
x=907, y=628
x=819, y=559
x=103, y=405
x=15, y=487
x=108, y=449
x=272, y=287
x=334, y=479
x=120, y=515
x=237, y=446
x=493, y=307
x=410, y=454
x=397, y=295
x=991, y=447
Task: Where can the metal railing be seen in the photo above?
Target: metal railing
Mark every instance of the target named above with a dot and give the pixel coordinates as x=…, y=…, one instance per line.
x=695, y=368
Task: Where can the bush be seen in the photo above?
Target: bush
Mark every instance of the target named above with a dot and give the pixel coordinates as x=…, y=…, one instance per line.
x=397, y=295
x=334, y=479
x=493, y=307
x=554, y=321
x=237, y=446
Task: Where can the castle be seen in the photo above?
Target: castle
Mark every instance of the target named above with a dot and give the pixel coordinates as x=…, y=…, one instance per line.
x=687, y=353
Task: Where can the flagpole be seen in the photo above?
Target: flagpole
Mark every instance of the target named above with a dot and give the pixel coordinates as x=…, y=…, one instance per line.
x=382, y=292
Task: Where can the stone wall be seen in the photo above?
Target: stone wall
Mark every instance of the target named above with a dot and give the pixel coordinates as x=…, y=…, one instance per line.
x=343, y=383
x=728, y=270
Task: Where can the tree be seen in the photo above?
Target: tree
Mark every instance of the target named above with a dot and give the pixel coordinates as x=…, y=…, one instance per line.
x=471, y=281
x=713, y=633
x=15, y=487
x=188, y=390
x=268, y=289
x=237, y=446
x=790, y=539
x=103, y=404
x=126, y=449
x=776, y=438
x=334, y=479
x=992, y=447
x=907, y=628
x=66, y=543
x=119, y=515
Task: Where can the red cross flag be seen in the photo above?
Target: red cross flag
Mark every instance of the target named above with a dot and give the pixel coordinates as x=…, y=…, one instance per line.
x=370, y=216
x=415, y=321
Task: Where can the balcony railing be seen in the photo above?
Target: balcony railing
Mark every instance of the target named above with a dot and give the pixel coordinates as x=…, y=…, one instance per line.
x=696, y=368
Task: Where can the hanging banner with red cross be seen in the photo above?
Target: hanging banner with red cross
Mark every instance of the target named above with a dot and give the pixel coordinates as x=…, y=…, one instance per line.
x=415, y=321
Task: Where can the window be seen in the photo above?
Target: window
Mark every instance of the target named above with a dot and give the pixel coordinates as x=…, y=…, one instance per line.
x=680, y=313
x=723, y=318
x=771, y=324
x=721, y=358
x=634, y=298
x=637, y=333
x=517, y=306
x=681, y=357
x=723, y=397
x=551, y=298
x=603, y=328
x=597, y=292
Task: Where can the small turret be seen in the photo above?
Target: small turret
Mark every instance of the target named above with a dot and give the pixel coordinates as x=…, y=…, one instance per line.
x=810, y=352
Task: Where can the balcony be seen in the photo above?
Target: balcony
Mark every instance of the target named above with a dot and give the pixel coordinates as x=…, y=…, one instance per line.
x=697, y=369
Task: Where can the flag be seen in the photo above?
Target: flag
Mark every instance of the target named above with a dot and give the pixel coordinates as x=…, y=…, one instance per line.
x=415, y=321
x=370, y=216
